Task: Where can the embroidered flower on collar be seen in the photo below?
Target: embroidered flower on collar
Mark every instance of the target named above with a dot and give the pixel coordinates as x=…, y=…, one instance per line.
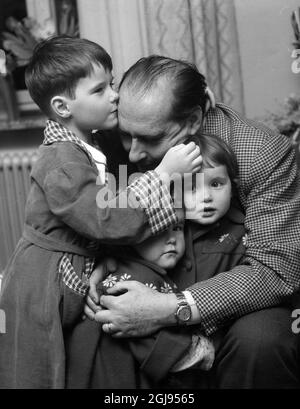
x=110, y=281
x=245, y=239
x=125, y=277
x=166, y=288
x=223, y=237
x=151, y=285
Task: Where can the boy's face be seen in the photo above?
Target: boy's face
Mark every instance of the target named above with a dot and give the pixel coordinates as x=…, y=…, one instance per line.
x=210, y=199
x=95, y=103
x=165, y=249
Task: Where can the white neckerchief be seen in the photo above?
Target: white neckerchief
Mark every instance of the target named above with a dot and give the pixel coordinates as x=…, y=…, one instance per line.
x=100, y=161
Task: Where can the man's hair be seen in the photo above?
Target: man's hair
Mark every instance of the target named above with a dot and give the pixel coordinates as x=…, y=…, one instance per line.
x=216, y=152
x=184, y=80
x=58, y=63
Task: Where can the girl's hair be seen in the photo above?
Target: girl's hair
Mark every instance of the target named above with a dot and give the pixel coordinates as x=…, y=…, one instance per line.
x=216, y=152
x=188, y=86
x=58, y=63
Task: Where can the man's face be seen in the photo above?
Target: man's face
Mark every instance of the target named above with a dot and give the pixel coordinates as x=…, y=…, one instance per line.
x=146, y=131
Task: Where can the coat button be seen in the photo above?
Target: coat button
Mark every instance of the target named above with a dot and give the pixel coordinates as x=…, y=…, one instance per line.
x=188, y=264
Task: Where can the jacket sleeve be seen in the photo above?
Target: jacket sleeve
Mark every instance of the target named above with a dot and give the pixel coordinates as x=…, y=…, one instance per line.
x=142, y=209
x=269, y=272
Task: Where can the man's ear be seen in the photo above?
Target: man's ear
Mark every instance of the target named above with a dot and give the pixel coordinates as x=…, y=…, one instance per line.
x=194, y=121
x=59, y=105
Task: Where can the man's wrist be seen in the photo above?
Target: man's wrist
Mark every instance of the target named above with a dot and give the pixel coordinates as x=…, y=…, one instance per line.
x=183, y=313
x=170, y=306
x=194, y=309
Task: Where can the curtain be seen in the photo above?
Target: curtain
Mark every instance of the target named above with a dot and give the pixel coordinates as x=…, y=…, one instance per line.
x=201, y=31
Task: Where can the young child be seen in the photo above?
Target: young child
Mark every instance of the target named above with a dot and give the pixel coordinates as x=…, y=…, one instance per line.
x=133, y=363
x=139, y=362
x=46, y=279
x=220, y=244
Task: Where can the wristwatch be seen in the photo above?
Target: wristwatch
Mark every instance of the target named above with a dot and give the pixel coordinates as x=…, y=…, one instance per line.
x=183, y=313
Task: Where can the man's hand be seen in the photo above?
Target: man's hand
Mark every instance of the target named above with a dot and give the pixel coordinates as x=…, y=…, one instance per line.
x=135, y=310
x=107, y=266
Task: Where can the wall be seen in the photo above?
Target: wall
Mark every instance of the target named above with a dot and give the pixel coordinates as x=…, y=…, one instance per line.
x=119, y=26
x=265, y=39
x=264, y=33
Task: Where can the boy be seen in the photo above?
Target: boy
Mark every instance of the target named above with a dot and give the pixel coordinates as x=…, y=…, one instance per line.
x=45, y=281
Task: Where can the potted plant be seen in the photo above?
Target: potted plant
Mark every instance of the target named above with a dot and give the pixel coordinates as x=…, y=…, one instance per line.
x=7, y=87
x=287, y=121
x=21, y=37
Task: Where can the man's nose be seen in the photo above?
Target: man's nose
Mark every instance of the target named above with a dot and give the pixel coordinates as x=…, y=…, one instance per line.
x=136, y=153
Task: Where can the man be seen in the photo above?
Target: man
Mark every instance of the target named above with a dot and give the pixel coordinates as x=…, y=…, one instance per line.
x=163, y=102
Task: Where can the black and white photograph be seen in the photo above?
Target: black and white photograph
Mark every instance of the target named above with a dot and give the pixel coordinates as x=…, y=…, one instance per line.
x=150, y=197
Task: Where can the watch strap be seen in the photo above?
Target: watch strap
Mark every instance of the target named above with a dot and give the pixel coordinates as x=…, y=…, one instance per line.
x=182, y=303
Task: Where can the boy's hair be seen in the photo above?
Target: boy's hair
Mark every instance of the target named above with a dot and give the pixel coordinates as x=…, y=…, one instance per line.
x=215, y=152
x=58, y=63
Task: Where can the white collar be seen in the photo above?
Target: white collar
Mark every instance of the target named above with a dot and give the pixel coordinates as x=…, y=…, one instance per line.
x=97, y=155
x=100, y=161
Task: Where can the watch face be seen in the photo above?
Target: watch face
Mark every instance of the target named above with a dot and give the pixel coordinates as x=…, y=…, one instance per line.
x=184, y=313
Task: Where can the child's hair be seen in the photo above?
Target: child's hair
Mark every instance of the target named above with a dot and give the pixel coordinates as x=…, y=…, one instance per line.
x=58, y=63
x=215, y=152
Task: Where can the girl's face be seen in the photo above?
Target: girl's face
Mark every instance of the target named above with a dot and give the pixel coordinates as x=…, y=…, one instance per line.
x=95, y=103
x=210, y=198
x=165, y=249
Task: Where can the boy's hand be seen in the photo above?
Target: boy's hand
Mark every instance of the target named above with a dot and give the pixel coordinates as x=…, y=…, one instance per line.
x=107, y=266
x=180, y=159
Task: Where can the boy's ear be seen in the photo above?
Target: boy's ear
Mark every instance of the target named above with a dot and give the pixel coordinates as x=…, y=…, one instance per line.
x=194, y=121
x=59, y=105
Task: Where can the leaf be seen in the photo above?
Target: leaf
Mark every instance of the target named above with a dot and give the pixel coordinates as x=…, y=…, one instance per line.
x=20, y=51
x=12, y=37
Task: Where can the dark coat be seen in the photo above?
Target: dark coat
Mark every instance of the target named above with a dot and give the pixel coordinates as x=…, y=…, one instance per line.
x=106, y=363
x=211, y=250
x=62, y=217
x=98, y=361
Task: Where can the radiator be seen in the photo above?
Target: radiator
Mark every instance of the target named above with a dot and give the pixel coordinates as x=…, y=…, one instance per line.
x=15, y=168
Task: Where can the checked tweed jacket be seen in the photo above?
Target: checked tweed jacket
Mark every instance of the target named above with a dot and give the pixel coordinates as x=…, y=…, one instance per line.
x=269, y=192
x=270, y=195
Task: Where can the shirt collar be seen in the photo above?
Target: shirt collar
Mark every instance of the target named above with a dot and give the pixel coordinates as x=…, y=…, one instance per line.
x=55, y=132
x=97, y=155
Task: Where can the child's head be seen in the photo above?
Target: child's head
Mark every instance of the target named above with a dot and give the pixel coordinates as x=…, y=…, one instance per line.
x=213, y=187
x=165, y=249
x=70, y=80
